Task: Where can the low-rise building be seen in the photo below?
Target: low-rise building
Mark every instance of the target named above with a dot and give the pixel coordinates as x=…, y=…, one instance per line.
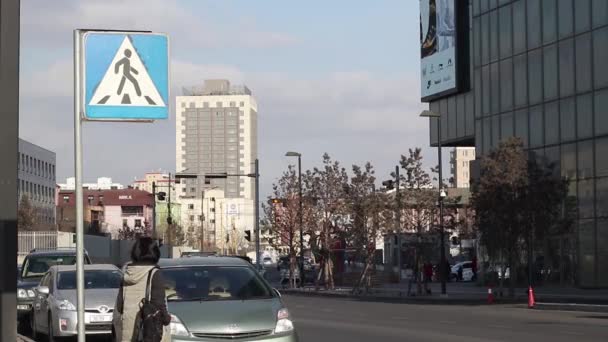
x=107, y=211
x=103, y=183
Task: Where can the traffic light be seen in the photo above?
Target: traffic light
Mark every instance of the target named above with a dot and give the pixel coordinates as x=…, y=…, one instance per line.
x=248, y=235
x=389, y=184
x=161, y=196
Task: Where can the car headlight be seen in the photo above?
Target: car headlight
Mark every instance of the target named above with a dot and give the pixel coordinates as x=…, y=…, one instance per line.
x=21, y=293
x=284, y=324
x=66, y=305
x=177, y=327
x=31, y=294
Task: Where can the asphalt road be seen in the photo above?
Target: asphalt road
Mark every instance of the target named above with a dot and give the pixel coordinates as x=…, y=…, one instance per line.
x=327, y=319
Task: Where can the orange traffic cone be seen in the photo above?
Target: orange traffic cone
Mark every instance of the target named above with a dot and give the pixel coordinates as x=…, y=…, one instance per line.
x=490, y=296
x=531, y=301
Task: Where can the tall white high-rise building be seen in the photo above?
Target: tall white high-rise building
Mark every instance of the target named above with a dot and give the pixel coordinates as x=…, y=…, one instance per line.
x=217, y=132
x=460, y=158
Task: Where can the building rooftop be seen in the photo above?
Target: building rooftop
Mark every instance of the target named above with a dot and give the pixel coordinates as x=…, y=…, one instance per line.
x=216, y=88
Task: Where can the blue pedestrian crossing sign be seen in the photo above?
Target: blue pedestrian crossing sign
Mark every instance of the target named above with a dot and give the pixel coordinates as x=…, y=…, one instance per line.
x=125, y=76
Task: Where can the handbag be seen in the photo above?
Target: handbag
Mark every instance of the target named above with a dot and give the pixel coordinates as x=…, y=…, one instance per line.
x=149, y=324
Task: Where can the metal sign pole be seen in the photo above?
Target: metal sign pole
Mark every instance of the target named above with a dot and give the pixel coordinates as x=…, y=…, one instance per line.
x=78, y=190
x=257, y=212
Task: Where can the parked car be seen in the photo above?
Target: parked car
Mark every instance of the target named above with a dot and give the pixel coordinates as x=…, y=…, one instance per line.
x=54, y=312
x=267, y=261
x=35, y=266
x=467, y=271
x=223, y=299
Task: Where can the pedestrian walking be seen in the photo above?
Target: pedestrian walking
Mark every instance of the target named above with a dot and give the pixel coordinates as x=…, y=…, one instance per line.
x=140, y=313
x=460, y=273
x=428, y=277
x=474, y=268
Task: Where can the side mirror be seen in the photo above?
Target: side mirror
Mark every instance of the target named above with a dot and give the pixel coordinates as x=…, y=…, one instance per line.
x=277, y=292
x=43, y=290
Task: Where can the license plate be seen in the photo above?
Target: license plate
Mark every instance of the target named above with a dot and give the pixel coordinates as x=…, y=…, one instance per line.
x=99, y=318
x=23, y=307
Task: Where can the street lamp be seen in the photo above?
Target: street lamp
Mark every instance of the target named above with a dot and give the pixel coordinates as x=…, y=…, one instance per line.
x=442, y=195
x=300, y=214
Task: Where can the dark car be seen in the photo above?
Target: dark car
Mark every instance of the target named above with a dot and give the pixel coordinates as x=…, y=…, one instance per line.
x=34, y=267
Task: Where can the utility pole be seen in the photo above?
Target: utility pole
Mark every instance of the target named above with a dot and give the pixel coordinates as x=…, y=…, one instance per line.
x=169, y=217
x=257, y=212
x=398, y=220
x=202, y=219
x=443, y=269
x=154, y=210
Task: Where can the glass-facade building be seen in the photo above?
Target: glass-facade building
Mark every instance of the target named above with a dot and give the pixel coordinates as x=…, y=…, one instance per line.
x=539, y=71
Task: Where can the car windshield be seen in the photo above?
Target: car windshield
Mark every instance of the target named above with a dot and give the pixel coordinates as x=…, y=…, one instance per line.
x=36, y=266
x=98, y=279
x=214, y=283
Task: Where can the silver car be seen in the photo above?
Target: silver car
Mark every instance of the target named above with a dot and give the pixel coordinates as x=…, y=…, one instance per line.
x=54, y=308
x=223, y=298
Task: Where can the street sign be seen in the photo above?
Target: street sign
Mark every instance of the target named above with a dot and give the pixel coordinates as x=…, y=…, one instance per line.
x=232, y=209
x=125, y=76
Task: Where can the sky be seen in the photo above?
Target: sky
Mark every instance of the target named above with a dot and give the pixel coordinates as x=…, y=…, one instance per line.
x=338, y=76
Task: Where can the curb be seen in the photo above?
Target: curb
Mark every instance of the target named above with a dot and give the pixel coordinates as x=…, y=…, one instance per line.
x=401, y=299
x=571, y=307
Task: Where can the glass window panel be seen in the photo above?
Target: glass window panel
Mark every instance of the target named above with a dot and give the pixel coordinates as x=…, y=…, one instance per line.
x=487, y=135
x=493, y=36
x=552, y=157
x=585, y=159
x=460, y=116
x=534, y=30
x=586, y=253
x=506, y=126
x=485, y=74
x=601, y=205
x=600, y=56
x=586, y=198
x=583, y=63
x=478, y=86
x=567, y=119
x=506, y=84
x=452, y=117
x=485, y=39
x=550, y=72
x=566, y=20
x=521, y=125
x=549, y=19
x=601, y=157
x=535, y=76
x=519, y=26
x=552, y=123
x=602, y=251
x=520, y=81
x=478, y=137
x=477, y=41
x=485, y=5
x=505, y=31
x=584, y=116
x=600, y=12
x=536, y=126
x=494, y=88
x=566, y=68
x=601, y=112
x=476, y=7
x=582, y=15
x=495, y=131
x=469, y=114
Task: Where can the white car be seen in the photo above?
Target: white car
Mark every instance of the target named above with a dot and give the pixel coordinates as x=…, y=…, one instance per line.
x=467, y=271
x=267, y=261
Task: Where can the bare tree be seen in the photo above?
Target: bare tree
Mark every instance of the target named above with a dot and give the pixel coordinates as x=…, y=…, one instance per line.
x=326, y=185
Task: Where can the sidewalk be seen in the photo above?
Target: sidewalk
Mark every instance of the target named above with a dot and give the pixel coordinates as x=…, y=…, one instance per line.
x=552, y=298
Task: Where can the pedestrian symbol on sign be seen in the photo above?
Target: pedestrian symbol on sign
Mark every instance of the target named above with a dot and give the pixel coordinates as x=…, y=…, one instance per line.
x=127, y=69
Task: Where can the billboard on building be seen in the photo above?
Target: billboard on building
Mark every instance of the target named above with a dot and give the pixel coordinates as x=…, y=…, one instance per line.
x=439, y=48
